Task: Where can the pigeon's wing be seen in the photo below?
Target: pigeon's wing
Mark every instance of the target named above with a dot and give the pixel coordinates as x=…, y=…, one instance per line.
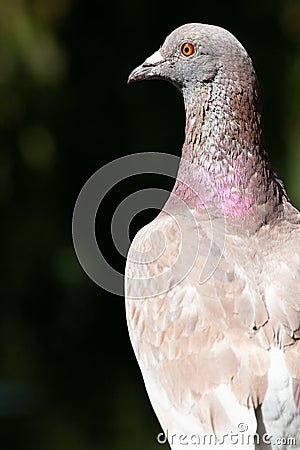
x=202, y=343
x=280, y=281
x=282, y=291
x=281, y=276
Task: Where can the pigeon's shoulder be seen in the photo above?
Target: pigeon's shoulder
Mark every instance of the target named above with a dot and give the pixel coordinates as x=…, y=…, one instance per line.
x=162, y=253
x=291, y=216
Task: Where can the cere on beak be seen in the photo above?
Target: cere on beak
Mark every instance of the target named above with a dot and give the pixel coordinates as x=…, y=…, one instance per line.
x=147, y=69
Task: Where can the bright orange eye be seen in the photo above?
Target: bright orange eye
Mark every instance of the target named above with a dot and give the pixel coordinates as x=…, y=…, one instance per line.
x=187, y=49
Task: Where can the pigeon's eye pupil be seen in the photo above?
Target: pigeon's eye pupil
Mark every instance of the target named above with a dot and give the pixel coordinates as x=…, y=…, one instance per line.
x=187, y=49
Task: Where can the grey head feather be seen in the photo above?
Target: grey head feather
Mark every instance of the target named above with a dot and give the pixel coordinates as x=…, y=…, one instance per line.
x=214, y=48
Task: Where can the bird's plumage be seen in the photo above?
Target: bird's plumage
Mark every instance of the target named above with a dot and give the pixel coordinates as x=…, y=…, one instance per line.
x=213, y=283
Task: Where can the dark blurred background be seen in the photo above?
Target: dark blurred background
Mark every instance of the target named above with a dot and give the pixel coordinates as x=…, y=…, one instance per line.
x=68, y=376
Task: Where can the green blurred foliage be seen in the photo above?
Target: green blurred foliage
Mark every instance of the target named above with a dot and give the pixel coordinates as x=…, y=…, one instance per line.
x=68, y=376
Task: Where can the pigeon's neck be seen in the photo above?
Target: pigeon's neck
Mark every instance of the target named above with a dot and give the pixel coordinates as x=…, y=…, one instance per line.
x=224, y=162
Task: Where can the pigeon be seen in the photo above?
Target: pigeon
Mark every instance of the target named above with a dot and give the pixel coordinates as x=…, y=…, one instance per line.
x=212, y=284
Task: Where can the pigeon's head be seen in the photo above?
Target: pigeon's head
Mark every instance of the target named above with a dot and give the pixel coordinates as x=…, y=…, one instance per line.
x=193, y=54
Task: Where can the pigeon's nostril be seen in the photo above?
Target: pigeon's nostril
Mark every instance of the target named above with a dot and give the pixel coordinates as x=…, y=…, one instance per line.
x=154, y=59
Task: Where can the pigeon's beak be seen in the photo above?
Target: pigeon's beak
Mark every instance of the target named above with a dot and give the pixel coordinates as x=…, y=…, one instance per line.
x=148, y=69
